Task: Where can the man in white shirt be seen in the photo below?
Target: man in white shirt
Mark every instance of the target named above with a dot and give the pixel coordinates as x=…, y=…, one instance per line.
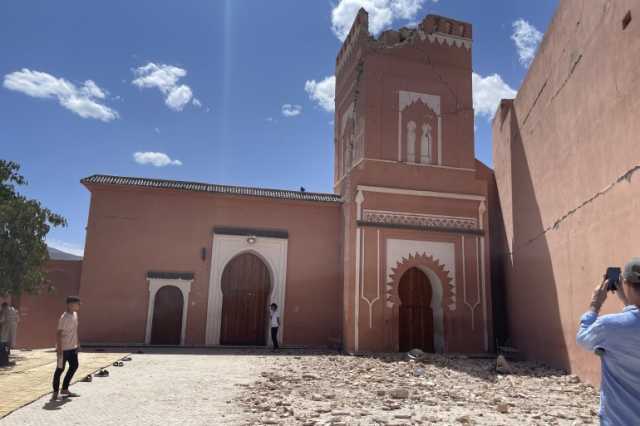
x=9, y=319
x=275, y=324
x=67, y=348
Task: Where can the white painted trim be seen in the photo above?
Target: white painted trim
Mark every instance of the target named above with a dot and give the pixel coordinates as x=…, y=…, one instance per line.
x=418, y=214
x=443, y=38
x=371, y=302
x=439, y=140
x=452, y=195
x=484, y=297
x=155, y=284
x=406, y=98
x=359, y=200
x=482, y=208
x=443, y=252
x=438, y=166
x=272, y=251
x=472, y=307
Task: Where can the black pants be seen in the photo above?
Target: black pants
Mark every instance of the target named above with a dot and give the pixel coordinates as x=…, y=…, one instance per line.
x=70, y=356
x=274, y=337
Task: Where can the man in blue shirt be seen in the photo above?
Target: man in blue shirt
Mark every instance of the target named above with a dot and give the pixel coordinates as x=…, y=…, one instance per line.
x=616, y=338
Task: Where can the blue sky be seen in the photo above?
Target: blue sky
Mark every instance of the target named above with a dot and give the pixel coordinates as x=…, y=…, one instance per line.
x=226, y=91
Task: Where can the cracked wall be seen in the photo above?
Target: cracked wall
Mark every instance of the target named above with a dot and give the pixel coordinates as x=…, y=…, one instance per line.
x=564, y=154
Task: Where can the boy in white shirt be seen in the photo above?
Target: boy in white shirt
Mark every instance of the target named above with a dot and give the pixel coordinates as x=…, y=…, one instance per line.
x=275, y=324
x=67, y=348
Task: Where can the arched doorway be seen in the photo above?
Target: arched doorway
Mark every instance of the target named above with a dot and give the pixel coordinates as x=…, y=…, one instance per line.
x=415, y=313
x=167, y=316
x=245, y=292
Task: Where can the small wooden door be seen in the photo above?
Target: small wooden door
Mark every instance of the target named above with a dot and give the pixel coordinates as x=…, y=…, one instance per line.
x=416, y=316
x=167, y=317
x=245, y=292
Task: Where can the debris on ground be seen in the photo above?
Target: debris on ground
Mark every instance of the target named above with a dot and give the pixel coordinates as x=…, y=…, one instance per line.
x=429, y=389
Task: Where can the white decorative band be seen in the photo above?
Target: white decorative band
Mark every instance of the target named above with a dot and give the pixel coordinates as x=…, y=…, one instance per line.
x=449, y=39
x=423, y=220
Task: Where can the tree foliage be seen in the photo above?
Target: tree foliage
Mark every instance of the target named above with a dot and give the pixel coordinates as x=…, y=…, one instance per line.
x=24, y=224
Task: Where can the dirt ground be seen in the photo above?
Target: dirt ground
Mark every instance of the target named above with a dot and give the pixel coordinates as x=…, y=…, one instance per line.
x=392, y=390
x=256, y=387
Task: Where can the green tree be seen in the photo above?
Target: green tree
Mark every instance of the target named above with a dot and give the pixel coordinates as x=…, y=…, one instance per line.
x=24, y=224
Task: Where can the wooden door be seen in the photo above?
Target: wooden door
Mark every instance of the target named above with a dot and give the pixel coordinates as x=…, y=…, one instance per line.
x=416, y=316
x=167, y=316
x=245, y=293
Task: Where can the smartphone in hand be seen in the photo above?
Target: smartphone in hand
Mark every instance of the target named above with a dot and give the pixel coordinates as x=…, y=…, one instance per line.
x=613, y=277
x=60, y=360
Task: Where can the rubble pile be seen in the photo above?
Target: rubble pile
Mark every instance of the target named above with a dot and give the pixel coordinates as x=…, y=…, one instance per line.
x=416, y=388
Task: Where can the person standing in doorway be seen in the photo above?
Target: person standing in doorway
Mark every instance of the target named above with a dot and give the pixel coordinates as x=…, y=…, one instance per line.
x=275, y=325
x=66, y=348
x=9, y=319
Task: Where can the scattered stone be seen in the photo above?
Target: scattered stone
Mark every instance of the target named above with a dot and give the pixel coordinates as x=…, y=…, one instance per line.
x=502, y=365
x=399, y=393
x=465, y=420
x=503, y=408
x=403, y=416
x=394, y=389
x=419, y=372
x=416, y=354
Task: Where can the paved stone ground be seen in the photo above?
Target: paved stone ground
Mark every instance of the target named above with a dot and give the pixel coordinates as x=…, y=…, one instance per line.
x=30, y=377
x=194, y=388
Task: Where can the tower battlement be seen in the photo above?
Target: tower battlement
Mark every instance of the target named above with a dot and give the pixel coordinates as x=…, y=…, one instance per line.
x=434, y=28
x=359, y=31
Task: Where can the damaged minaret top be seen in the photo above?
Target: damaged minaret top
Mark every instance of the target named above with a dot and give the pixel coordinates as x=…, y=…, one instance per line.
x=432, y=29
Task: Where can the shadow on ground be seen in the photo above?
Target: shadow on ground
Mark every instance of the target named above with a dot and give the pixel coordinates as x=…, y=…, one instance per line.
x=55, y=405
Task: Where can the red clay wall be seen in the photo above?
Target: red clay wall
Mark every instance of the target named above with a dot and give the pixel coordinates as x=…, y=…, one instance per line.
x=133, y=231
x=571, y=131
x=39, y=313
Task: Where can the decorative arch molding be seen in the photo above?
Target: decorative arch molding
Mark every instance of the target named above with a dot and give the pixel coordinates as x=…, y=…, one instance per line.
x=272, y=251
x=435, y=255
x=432, y=102
x=437, y=261
x=155, y=284
x=422, y=262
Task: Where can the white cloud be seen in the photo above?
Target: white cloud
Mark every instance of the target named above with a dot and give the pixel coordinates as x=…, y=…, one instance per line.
x=527, y=37
x=157, y=130
x=269, y=119
x=196, y=102
x=178, y=97
x=165, y=78
x=289, y=110
x=488, y=92
x=322, y=92
x=82, y=100
x=158, y=159
x=381, y=14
